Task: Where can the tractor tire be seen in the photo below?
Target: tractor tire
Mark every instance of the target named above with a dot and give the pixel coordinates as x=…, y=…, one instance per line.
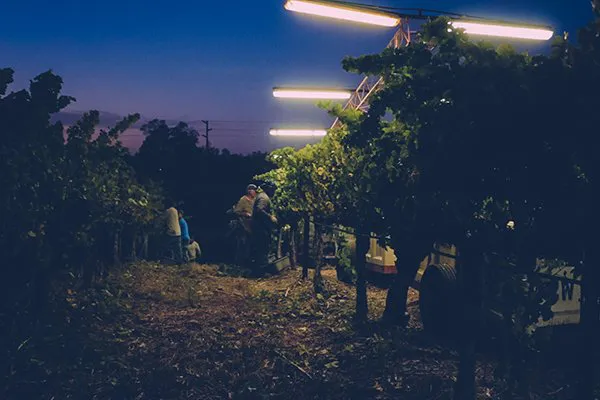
x=438, y=300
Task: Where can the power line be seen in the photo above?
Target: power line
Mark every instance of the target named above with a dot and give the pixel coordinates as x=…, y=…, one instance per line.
x=229, y=128
x=235, y=131
x=419, y=13
x=233, y=121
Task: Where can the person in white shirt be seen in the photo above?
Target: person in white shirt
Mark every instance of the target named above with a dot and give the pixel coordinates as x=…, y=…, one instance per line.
x=173, y=250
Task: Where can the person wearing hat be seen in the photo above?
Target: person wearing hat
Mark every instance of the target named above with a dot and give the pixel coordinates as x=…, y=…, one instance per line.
x=243, y=211
x=243, y=208
x=263, y=222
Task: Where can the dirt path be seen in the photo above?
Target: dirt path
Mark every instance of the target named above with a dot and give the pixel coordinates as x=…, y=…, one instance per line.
x=234, y=337
x=208, y=336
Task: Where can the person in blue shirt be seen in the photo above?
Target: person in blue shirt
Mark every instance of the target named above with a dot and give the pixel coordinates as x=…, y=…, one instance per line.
x=185, y=232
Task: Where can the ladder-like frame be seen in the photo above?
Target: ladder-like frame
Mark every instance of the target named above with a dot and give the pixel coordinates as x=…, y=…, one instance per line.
x=371, y=84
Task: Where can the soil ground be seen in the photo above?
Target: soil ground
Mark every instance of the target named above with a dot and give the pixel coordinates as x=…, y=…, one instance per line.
x=204, y=332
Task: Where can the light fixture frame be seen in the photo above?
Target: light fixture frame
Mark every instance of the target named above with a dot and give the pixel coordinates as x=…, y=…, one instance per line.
x=402, y=37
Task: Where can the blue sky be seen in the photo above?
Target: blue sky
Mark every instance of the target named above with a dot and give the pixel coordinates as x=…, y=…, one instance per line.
x=215, y=60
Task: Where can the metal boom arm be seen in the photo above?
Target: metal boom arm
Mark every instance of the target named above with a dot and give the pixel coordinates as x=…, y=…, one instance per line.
x=371, y=84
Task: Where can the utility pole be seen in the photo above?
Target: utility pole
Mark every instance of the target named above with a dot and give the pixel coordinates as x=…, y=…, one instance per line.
x=207, y=130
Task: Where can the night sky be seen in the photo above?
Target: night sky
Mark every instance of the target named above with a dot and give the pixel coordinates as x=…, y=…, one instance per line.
x=211, y=59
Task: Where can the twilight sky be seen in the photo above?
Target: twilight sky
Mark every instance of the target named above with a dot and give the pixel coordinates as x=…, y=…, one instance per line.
x=214, y=59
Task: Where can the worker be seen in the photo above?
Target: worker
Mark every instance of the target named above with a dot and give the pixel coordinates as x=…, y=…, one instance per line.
x=193, y=251
x=263, y=222
x=243, y=208
x=173, y=251
x=243, y=224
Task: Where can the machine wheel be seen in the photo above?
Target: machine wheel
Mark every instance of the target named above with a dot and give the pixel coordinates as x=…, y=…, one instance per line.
x=438, y=299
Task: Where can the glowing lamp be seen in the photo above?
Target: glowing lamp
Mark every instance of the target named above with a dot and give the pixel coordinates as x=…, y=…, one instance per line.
x=331, y=10
x=298, y=132
x=501, y=30
x=323, y=94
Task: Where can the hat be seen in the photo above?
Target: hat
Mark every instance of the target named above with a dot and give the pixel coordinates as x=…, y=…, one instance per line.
x=251, y=186
x=268, y=185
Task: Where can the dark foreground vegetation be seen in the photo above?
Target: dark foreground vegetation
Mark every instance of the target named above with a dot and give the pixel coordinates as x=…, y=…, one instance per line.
x=203, y=332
